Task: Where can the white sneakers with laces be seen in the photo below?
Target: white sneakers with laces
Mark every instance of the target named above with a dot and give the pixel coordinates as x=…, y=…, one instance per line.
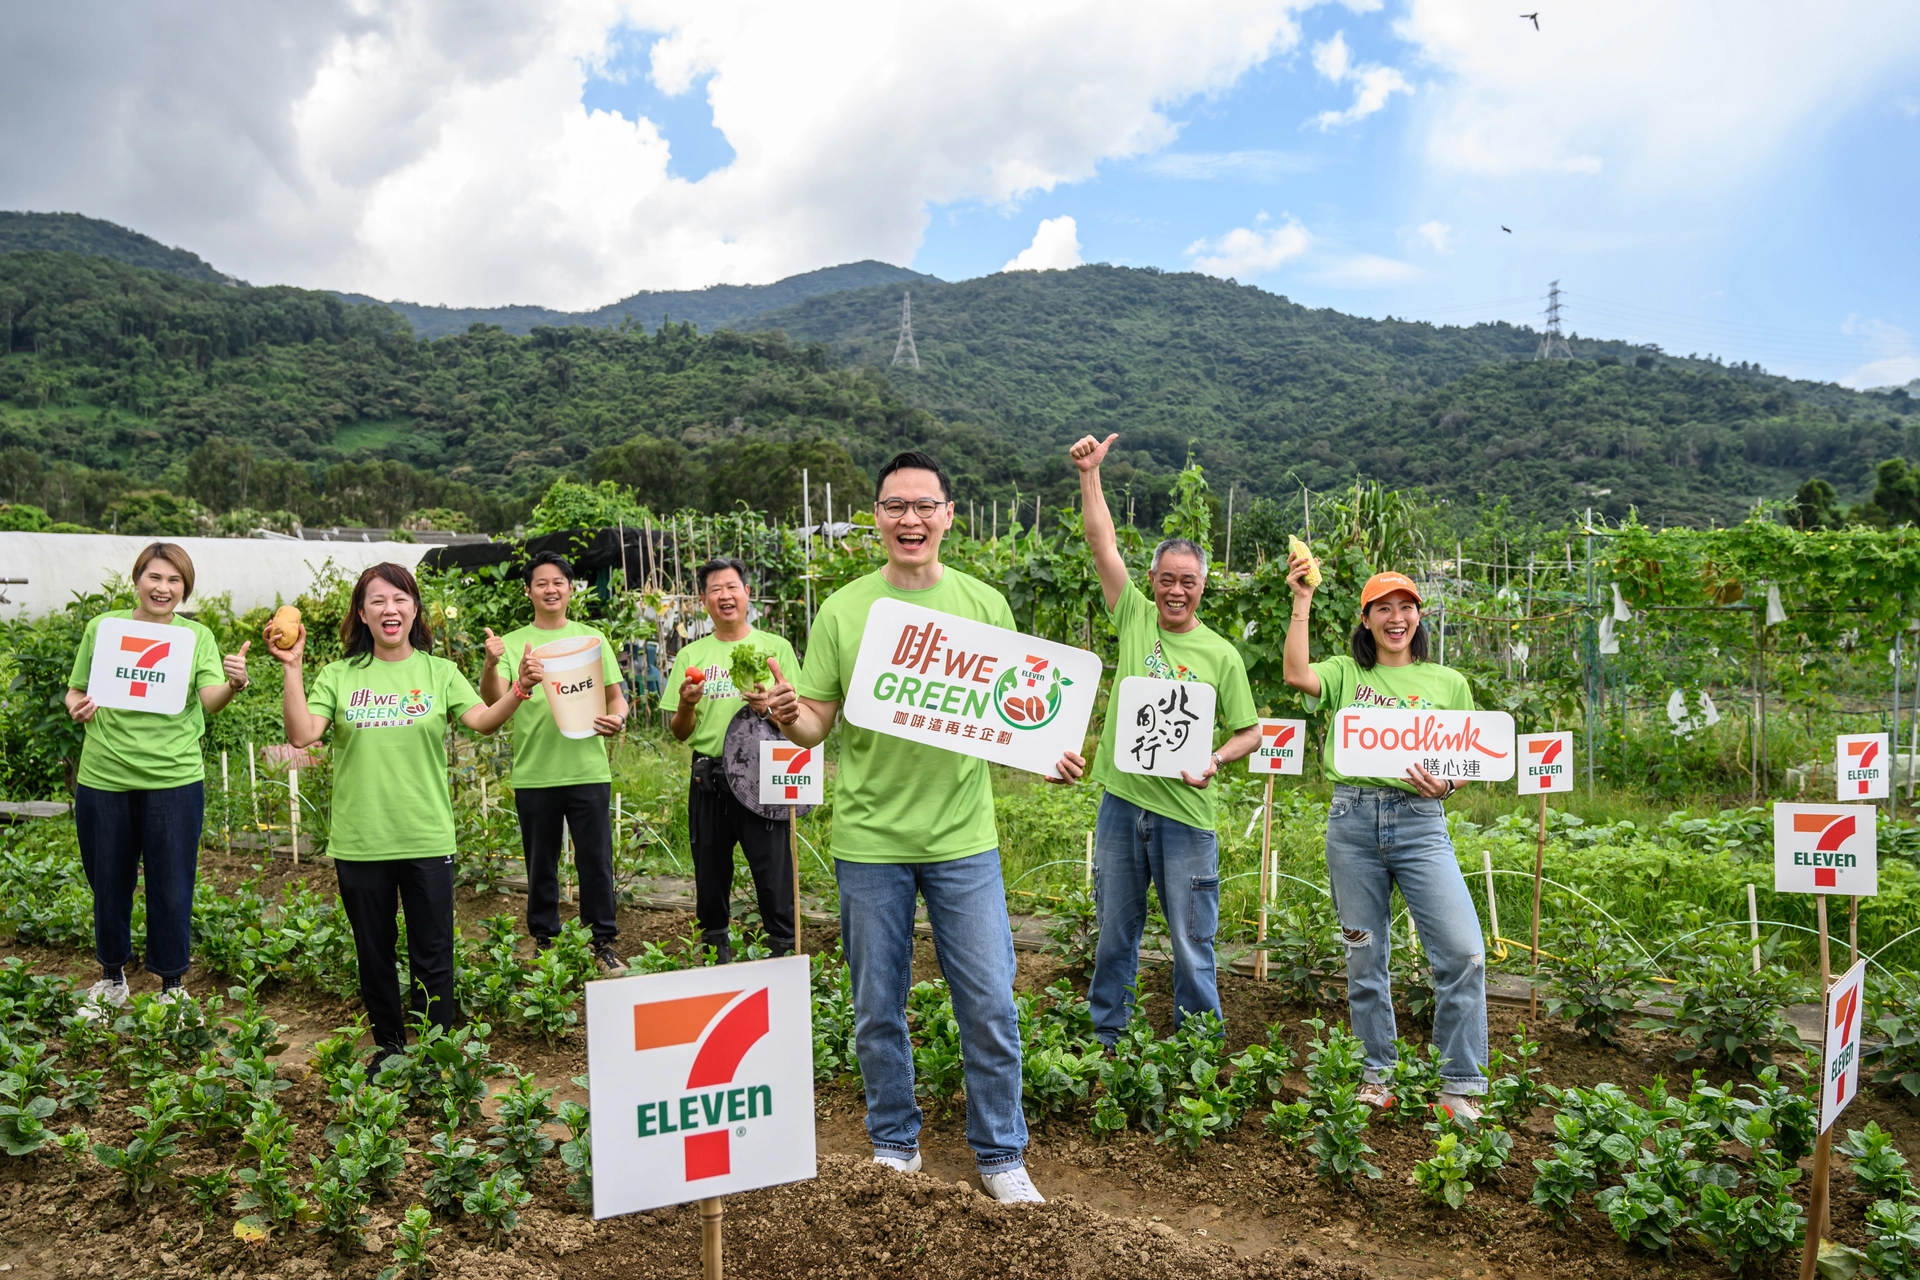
x=1012, y=1186
x=171, y=994
x=1463, y=1110
x=101, y=996
x=898, y=1165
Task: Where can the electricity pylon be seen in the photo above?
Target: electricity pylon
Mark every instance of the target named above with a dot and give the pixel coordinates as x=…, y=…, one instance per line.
x=904, y=351
x=1553, y=345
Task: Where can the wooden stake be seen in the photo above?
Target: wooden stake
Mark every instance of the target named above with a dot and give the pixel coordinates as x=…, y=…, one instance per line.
x=1539, y=867
x=1823, y=1146
x=293, y=810
x=226, y=804
x=793, y=850
x=712, y=1210
x=1853, y=930
x=253, y=785
x=1493, y=903
x=1753, y=927
x=1266, y=880
x=1089, y=875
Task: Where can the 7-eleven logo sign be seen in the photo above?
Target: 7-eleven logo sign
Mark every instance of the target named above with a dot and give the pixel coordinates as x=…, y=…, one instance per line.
x=1840, y=1078
x=145, y=670
x=141, y=666
x=1546, y=763
x=1280, y=747
x=1825, y=848
x=1861, y=766
x=790, y=775
x=702, y=1083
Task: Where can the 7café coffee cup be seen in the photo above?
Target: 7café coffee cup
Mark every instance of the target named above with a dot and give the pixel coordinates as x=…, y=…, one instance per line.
x=571, y=675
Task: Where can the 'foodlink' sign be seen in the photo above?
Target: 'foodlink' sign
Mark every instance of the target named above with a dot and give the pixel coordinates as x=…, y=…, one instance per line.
x=141, y=666
x=1825, y=848
x=960, y=685
x=702, y=1083
x=1385, y=742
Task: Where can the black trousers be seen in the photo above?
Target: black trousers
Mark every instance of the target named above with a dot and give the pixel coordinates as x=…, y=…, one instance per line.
x=716, y=822
x=582, y=807
x=122, y=835
x=423, y=887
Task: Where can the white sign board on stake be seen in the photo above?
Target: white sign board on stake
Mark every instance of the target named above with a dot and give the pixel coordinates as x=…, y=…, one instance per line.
x=1384, y=742
x=1861, y=767
x=141, y=666
x=1846, y=1012
x=791, y=775
x=960, y=685
x=702, y=1083
x=1162, y=728
x=1281, y=748
x=1546, y=763
x=1825, y=848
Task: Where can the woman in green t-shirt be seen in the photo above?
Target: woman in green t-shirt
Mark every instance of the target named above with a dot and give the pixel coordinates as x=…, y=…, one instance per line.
x=140, y=794
x=390, y=700
x=1383, y=832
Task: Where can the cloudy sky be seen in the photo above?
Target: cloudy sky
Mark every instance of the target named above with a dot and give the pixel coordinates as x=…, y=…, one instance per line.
x=1728, y=176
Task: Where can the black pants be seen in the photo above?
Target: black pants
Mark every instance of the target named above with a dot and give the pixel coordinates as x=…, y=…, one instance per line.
x=370, y=892
x=122, y=832
x=583, y=808
x=715, y=823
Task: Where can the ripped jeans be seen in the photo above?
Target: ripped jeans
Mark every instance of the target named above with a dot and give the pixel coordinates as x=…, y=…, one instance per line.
x=1378, y=837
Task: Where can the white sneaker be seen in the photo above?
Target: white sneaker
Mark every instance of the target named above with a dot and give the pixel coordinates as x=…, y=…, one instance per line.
x=171, y=994
x=1461, y=1109
x=100, y=995
x=898, y=1165
x=1012, y=1187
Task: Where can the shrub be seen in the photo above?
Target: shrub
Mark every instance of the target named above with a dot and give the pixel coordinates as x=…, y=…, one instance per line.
x=1877, y=1167
x=1597, y=981
x=496, y=1203
x=1721, y=1005
x=1073, y=930
x=454, y=1166
x=1414, y=1081
x=1559, y=1182
x=524, y=1108
x=410, y=1241
x=1339, y=1136
x=1642, y=1213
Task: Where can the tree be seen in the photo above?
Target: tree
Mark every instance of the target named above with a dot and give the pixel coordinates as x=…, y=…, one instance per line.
x=661, y=473
x=765, y=475
x=1816, y=506
x=219, y=473
x=1897, y=491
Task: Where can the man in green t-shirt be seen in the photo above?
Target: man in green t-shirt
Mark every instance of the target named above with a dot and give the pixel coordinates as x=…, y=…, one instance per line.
x=716, y=820
x=561, y=778
x=911, y=819
x=1155, y=830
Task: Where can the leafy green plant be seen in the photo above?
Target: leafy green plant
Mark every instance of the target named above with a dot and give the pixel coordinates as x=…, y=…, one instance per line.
x=72, y=1145
x=1109, y=1117
x=208, y=1191
x=22, y=1127
x=1559, y=1183
x=1893, y=1243
x=145, y=1164
x=1720, y=1004
x=497, y=1201
x=833, y=1018
x=938, y=1070
x=268, y=1188
x=340, y=1196
x=1877, y=1166
x=411, y=1241
x=1303, y=947
x=1334, y=1056
x=576, y=1153
x=545, y=1001
x=1446, y=1177
x=1642, y=1213
x=1598, y=979
x=523, y=1109
x=1792, y=1113
x=208, y=1101
x=1894, y=1011
x=454, y=1166
x=1414, y=1081
x=1515, y=1088
x=1288, y=1121
x=1740, y=1230
x=1055, y=1080
x=332, y=1056
x=442, y=1069
x=1073, y=929
x=1339, y=1136
x=1258, y=1071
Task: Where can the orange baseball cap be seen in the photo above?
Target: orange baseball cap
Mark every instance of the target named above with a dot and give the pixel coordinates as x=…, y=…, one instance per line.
x=1385, y=584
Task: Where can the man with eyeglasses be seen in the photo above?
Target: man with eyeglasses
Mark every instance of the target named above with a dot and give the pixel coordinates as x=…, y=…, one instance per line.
x=910, y=819
x=1158, y=831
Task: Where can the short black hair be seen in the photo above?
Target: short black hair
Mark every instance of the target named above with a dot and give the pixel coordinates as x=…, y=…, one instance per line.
x=914, y=460
x=553, y=558
x=714, y=566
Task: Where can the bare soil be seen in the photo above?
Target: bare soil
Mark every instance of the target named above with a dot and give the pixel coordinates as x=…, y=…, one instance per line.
x=1244, y=1206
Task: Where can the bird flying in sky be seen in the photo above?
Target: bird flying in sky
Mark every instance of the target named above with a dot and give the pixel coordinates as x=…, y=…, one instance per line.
x=1534, y=18
x=1508, y=230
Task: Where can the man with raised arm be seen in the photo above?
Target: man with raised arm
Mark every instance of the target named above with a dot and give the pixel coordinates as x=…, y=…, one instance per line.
x=911, y=819
x=1152, y=830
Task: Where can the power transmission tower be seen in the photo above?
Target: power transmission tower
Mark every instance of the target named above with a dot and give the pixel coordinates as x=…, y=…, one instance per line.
x=904, y=351
x=1553, y=344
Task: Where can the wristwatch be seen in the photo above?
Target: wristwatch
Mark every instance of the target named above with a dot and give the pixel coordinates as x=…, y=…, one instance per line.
x=1452, y=787
x=1218, y=763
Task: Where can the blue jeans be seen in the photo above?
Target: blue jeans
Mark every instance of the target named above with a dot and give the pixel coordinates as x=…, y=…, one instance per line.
x=1378, y=837
x=967, y=906
x=119, y=832
x=1133, y=847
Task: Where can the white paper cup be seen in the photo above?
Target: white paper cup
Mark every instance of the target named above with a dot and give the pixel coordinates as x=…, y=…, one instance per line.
x=572, y=676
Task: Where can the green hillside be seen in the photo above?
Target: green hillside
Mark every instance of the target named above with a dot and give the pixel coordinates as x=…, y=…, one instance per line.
x=77, y=233
x=1272, y=395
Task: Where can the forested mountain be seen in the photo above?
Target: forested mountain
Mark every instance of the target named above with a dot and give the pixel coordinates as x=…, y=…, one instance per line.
x=116, y=379
x=77, y=233
x=716, y=307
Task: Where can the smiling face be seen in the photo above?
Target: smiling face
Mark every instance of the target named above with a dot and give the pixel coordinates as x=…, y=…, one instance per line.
x=549, y=589
x=389, y=613
x=160, y=587
x=1392, y=619
x=725, y=597
x=913, y=539
x=1178, y=583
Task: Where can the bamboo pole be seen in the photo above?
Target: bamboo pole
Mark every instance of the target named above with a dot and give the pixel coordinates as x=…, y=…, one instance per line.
x=1753, y=926
x=293, y=811
x=1853, y=930
x=1539, y=868
x=253, y=784
x=1823, y=1146
x=226, y=803
x=1266, y=881
x=793, y=853
x=712, y=1213
x=1089, y=877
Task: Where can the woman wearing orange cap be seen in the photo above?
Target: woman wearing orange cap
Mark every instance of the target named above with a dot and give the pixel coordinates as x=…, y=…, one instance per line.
x=1387, y=831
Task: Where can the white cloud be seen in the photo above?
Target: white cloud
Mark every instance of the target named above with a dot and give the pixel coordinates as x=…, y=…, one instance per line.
x=437, y=151
x=1230, y=166
x=1896, y=359
x=1373, y=84
x=1368, y=271
x=1437, y=236
x=1055, y=247
x=1246, y=252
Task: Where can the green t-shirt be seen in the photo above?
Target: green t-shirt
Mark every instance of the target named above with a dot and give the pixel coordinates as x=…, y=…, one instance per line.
x=1422, y=684
x=1202, y=655
x=895, y=800
x=138, y=750
x=389, y=733
x=716, y=710
x=542, y=755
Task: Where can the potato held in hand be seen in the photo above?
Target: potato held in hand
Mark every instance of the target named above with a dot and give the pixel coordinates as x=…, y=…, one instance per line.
x=1298, y=548
x=284, y=629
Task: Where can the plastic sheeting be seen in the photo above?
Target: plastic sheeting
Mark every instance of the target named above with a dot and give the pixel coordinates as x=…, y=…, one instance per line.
x=253, y=572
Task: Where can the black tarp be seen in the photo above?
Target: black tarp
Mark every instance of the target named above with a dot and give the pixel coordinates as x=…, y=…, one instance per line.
x=591, y=552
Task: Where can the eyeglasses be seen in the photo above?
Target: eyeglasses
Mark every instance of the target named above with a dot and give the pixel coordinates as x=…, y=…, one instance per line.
x=895, y=508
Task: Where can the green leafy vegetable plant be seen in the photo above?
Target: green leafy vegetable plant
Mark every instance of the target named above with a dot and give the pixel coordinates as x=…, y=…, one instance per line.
x=522, y=1111
x=1877, y=1167
x=411, y=1239
x=496, y=1203
x=576, y=1153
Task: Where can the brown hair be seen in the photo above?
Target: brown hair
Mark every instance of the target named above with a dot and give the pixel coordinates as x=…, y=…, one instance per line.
x=174, y=555
x=357, y=637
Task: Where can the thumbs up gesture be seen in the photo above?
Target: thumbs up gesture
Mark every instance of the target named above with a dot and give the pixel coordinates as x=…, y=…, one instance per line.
x=496, y=648
x=235, y=666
